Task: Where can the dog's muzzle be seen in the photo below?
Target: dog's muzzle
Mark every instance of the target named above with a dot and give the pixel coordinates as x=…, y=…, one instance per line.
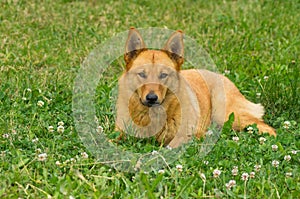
x=151, y=100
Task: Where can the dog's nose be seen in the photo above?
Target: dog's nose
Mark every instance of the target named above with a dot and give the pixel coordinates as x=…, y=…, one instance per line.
x=151, y=98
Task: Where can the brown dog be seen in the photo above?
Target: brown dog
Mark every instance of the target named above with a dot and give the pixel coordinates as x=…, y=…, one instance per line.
x=158, y=99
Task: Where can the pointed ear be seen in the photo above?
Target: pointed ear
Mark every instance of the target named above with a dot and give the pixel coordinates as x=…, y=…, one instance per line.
x=174, y=47
x=134, y=45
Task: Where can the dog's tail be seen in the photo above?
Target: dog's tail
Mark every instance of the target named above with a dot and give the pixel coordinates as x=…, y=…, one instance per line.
x=256, y=110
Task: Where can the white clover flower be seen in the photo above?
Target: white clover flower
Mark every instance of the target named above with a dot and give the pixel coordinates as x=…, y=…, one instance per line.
x=5, y=136
x=168, y=147
x=60, y=129
x=245, y=176
x=274, y=147
x=202, y=176
x=71, y=197
x=60, y=123
x=35, y=140
x=287, y=157
x=40, y=103
x=250, y=129
x=294, y=152
x=161, y=171
x=72, y=160
x=266, y=78
x=57, y=163
x=226, y=72
x=84, y=155
x=286, y=124
x=38, y=150
x=42, y=157
x=257, y=167
x=50, y=129
x=235, y=138
x=230, y=184
x=205, y=162
x=209, y=133
x=99, y=129
x=275, y=163
x=24, y=98
x=258, y=95
x=216, y=173
x=179, y=167
x=154, y=152
x=252, y=174
x=227, y=186
x=235, y=170
x=262, y=140
x=288, y=174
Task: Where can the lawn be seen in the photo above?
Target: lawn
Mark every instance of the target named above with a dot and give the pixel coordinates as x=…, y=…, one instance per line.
x=43, y=45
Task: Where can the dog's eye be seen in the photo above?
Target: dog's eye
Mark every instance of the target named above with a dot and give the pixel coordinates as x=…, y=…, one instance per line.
x=163, y=75
x=142, y=75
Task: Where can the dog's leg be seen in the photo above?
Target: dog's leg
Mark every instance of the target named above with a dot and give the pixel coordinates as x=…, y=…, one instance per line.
x=243, y=120
x=265, y=128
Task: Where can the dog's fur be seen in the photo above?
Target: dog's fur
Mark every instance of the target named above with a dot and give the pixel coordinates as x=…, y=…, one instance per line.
x=157, y=98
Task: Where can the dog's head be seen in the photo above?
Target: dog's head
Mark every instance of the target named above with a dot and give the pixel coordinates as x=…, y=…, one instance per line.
x=153, y=72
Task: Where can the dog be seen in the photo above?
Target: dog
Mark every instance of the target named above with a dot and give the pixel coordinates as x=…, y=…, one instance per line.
x=157, y=98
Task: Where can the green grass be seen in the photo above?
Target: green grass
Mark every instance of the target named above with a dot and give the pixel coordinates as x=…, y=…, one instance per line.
x=42, y=46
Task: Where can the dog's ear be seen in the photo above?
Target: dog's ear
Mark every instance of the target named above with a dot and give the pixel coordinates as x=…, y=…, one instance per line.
x=134, y=45
x=174, y=48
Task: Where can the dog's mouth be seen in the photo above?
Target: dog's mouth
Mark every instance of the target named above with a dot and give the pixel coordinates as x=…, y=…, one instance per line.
x=150, y=103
